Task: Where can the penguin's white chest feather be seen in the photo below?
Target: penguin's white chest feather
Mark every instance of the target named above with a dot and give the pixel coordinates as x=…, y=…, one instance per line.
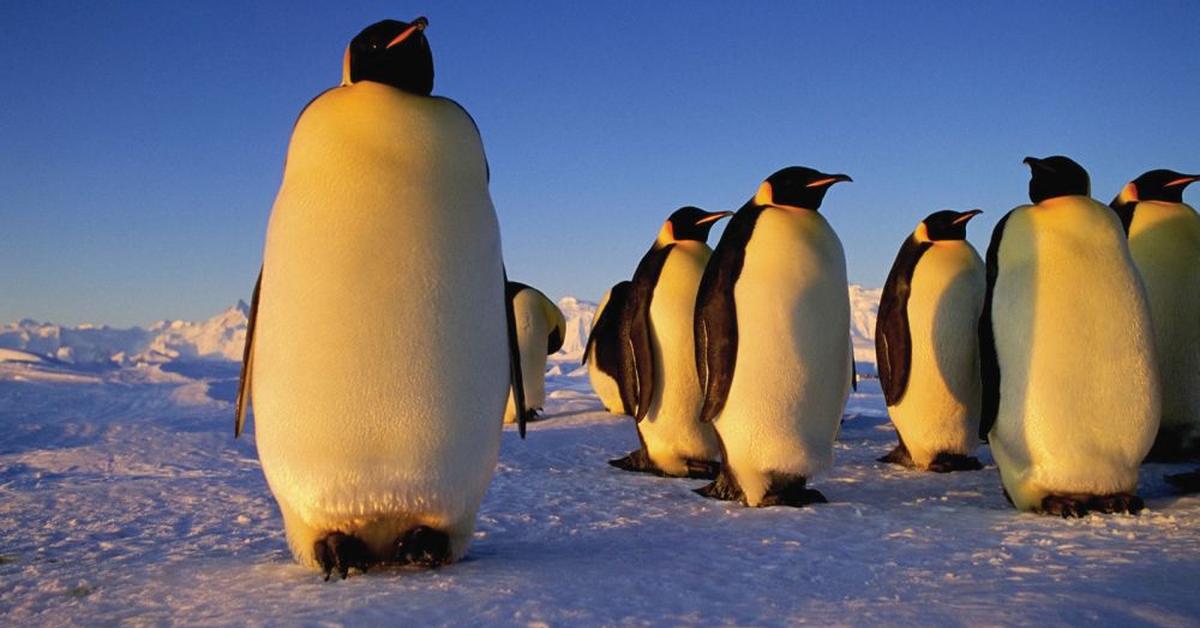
x=1164, y=239
x=1079, y=398
x=792, y=372
x=939, y=412
x=671, y=429
x=380, y=356
x=533, y=332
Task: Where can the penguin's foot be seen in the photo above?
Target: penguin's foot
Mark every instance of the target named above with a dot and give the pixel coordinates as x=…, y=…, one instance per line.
x=1185, y=482
x=789, y=490
x=637, y=461
x=341, y=552
x=1066, y=506
x=899, y=456
x=1117, y=503
x=945, y=463
x=703, y=469
x=725, y=488
x=423, y=546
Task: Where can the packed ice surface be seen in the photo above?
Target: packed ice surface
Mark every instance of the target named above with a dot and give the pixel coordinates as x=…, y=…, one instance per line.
x=123, y=496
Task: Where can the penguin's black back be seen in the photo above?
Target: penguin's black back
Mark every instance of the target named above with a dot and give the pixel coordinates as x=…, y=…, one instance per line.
x=716, y=329
x=893, y=339
x=637, y=373
x=989, y=362
x=605, y=337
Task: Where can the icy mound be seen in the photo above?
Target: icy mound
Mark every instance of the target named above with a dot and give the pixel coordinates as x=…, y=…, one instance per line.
x=218, y=338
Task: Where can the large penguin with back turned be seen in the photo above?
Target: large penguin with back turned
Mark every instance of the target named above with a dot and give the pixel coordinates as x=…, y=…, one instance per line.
x=927, y=345
x=1070, y=385
x=1164, y=239
x=658, y=380
x=772, y=342
x=602, y=353
x=540, y=329
x=380, y=347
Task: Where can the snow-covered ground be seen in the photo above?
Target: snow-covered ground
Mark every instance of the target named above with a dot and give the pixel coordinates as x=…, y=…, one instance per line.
x=124, y=497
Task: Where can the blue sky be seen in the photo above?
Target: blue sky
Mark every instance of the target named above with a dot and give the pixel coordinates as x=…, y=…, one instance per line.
x=142, y=143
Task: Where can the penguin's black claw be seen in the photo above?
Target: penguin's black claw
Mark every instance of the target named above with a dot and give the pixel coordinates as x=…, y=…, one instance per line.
x=723, y=488
x=1185, y=482
x=637, y=461
x=1117, y=503
x=946, y=463
x=423, y=546
x=341, y=552
x=790, y=490
x=703, y=469
x=1066, y=506
x=899, y=455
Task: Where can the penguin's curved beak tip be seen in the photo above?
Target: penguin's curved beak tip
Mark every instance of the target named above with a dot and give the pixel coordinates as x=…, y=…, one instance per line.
x=967, y=215
x=714, y=217
x=415, y=26
x=1184, y=180
x=1034, y=162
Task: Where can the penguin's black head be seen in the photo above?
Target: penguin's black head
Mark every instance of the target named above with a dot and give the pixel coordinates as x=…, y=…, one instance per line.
x=1160, y=185
x=393, y=53
x=688, y=223
x=947, y=225
x=1056, y=176
x=796, y=187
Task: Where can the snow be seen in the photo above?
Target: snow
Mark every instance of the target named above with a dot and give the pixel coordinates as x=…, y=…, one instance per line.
x=124, y=497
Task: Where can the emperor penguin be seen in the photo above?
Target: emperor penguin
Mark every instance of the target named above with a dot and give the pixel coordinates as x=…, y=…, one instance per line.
x=379, y=350
x=658, y=380
x=602, y=353
x=773, y=342
x=927, y=345
x=1164, y=238
x=540, y=330
x=1070, y=384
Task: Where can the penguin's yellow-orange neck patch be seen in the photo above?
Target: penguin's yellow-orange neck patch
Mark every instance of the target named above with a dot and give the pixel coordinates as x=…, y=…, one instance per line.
x=666, y=235
x=765, y=195
x=1129, y=193
x=921, y=233
x=346, y=67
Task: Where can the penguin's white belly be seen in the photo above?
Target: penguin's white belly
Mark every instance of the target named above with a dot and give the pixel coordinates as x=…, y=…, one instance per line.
x=672, y=429
x=1165, y=241
x=939, y=412
x=380, y=357
x=1079, y=398
x=792, y=374
x=533, y=333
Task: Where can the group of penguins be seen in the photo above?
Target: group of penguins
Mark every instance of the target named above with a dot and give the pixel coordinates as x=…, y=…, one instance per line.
x=1069, y=350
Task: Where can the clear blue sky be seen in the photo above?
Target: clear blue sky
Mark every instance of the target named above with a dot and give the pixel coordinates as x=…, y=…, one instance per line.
x=142, y=143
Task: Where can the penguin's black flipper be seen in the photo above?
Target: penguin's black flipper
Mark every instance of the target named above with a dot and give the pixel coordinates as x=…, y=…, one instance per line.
x=605, y=341
x=1124, y=211
x=514, y=354
x=893, y=339
x=243, y=396
x=989, y=363
x=637, y=332
x=715, y=326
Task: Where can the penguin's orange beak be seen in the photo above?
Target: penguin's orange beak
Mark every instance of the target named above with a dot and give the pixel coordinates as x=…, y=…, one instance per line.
x=965, y=216
x=829, y=181
x=1183, y=180
x=418, y=24
x=713, y=218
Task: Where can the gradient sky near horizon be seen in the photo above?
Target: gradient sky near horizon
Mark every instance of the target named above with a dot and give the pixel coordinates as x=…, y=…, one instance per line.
x=142, y=143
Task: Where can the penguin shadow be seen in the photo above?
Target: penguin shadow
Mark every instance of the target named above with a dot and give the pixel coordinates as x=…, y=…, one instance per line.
x=1159, y=493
